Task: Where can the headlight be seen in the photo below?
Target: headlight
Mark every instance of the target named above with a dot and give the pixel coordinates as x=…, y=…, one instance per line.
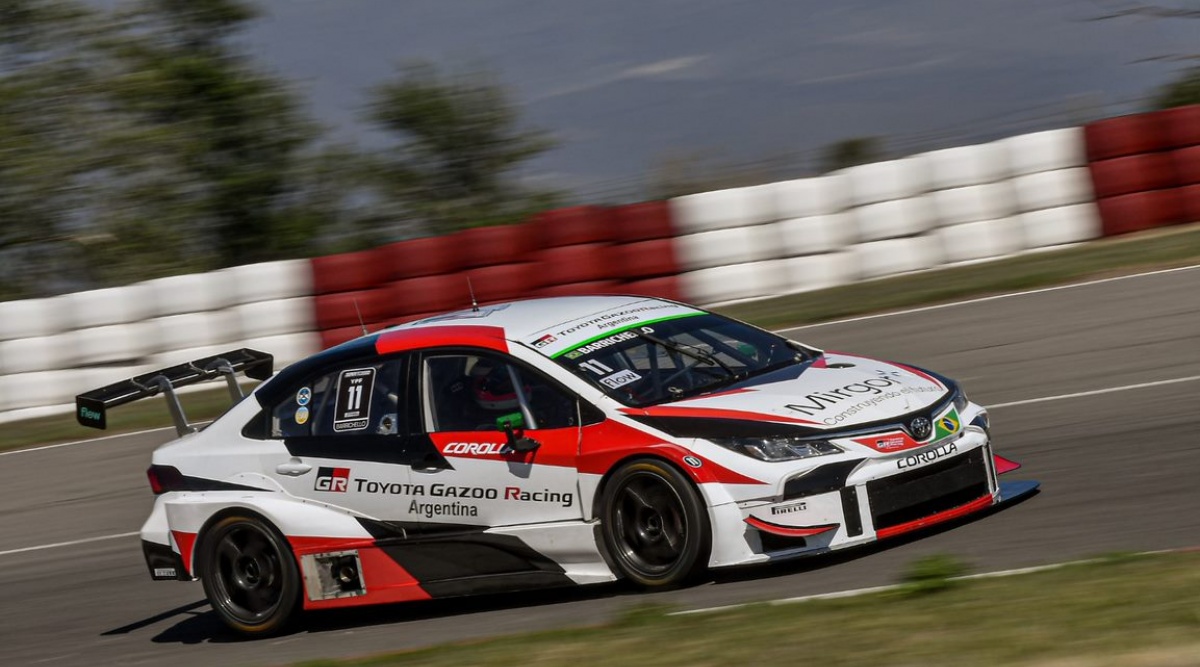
x=779, y=448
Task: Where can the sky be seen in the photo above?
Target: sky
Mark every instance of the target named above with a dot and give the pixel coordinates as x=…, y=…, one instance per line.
x=626, y=85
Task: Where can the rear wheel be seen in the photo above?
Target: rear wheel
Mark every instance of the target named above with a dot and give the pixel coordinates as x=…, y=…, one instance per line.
x=655, y=526
x=250, y=575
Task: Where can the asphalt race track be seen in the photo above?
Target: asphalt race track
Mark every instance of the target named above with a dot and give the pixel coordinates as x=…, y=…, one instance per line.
x=1119, y=471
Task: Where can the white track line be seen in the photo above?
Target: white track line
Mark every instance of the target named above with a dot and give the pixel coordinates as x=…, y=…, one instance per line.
x=1095, y=392
x=67, y=544
x=100, y=439
x=994, y=297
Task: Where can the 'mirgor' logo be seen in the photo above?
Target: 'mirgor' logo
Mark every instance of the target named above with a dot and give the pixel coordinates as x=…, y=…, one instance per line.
x=332, y=479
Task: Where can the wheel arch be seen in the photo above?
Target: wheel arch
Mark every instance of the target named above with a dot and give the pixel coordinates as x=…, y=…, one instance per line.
x=220, y=515
x=195, y=515
x=712, y=494
x=598, y=496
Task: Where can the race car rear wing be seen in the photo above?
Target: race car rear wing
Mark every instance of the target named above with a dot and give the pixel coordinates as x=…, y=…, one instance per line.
x=91, y=408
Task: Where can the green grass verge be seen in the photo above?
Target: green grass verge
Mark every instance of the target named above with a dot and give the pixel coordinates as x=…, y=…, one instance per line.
x=1130, y=610
x=1160, y=249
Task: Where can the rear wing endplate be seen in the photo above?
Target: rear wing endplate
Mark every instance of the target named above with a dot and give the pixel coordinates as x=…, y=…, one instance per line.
x=91, y=408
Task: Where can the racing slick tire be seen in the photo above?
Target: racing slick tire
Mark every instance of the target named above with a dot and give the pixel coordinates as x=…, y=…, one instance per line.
x=250, y=575
x=654, y=525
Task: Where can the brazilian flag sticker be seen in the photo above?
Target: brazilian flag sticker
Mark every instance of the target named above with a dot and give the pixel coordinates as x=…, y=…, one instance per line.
x=946, y=425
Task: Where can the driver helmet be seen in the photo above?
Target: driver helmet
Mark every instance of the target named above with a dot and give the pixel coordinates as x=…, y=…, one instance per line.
x=492, y=388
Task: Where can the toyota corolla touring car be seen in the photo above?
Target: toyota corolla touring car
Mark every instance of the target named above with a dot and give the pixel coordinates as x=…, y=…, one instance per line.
x=544, y=442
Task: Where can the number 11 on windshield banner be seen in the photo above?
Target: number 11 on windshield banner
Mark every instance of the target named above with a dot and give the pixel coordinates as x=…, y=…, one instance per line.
x=353, y=409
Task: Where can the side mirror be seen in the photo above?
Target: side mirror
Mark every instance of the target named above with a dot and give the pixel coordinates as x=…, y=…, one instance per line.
x=517, y=442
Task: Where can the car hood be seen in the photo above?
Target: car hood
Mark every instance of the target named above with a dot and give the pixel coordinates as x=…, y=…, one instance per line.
x=835, y=391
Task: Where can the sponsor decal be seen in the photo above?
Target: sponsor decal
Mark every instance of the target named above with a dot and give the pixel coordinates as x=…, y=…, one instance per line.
x=693, y=461
x=817, y=402
x=617, y=322
x=353, y=408
x=619, y=379
x=331, y=479
x=164, y=571
x=476, y=448
x=868, y=393
x=432, y=510
x=90, y=415
x=947, y=425
x=543, y=496
x=544, y=341
x=614, y=318
x=302, y=416
x=451, y=491
x=890, y=442
x=623, y=317
x=303, y=396
x=602, y=343
x=927, y=456
x=439, y=490
x=388, y=488
x=788, y=509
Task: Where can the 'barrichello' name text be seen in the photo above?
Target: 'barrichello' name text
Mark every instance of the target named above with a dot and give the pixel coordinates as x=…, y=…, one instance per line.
x=604, y=342
x=927, y=456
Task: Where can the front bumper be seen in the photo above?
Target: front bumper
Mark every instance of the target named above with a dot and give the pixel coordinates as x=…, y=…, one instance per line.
x=874, y=498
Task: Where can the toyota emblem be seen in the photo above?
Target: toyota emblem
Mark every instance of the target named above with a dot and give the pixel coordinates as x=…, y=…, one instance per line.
x=920, y=428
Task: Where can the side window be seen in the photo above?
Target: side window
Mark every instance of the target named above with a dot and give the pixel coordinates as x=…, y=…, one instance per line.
x=362, y=398
x=474, y=392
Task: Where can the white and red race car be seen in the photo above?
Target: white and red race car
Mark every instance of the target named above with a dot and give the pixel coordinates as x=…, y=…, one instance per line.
x=545, y=442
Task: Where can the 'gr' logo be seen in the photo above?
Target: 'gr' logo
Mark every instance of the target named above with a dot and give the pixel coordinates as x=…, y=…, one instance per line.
x=332, y=479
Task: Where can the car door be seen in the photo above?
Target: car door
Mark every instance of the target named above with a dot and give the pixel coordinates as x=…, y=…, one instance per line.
x=509, y=436
x=347, y=431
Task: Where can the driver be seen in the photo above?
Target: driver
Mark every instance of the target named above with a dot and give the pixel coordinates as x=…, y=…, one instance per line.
x=492, y=393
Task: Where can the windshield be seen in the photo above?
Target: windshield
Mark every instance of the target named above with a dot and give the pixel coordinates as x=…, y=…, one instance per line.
x=677, y=358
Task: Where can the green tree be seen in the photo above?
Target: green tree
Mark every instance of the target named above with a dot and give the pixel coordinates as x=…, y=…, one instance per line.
x=851, y=152
x=46, y=133
x=1181, y=92
x=458, y=145
x=213, y=147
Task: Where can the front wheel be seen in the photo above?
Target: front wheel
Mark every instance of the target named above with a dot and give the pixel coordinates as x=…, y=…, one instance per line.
x=250, y=575
x=654, y=525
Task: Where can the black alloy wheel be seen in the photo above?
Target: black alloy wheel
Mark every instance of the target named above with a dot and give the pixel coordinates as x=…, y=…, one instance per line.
x=655, y=527
x=250, y=575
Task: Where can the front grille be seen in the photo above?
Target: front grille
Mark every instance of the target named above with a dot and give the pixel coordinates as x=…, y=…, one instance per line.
x=935, y=488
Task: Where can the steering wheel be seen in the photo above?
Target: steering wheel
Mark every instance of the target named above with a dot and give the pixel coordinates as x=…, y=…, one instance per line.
x=713, y=371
